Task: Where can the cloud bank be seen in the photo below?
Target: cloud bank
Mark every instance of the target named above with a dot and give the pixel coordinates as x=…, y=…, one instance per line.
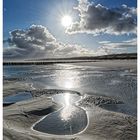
x=38, y=42
x=107, y=47
x=97, y=19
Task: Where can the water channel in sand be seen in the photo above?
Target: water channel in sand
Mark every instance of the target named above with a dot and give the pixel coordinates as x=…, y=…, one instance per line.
x=68, y=120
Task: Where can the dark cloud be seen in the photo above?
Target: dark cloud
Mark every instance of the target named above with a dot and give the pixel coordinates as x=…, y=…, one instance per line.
x=38, y=42
x=97, y=19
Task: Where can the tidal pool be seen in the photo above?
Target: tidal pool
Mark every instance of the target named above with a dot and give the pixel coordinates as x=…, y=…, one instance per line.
x=119, y=82
x=68, y=120
x=16, y=98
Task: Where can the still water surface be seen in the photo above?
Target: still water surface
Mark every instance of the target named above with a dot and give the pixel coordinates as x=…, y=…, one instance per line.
x=68, y=120
x=119, y=83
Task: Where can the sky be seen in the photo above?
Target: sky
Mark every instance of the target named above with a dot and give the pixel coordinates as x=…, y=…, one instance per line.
x=33, y=28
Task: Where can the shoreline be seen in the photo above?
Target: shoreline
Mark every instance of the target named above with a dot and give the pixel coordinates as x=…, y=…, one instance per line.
x=60, y=61
x=103, y=124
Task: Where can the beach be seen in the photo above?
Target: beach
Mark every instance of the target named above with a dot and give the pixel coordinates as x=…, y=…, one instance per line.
x=108, y=91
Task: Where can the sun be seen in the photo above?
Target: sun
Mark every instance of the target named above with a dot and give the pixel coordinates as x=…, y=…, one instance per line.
x=66, y=21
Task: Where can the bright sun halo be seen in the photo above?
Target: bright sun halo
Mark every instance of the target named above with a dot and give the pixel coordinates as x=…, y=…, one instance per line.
x=66, y=21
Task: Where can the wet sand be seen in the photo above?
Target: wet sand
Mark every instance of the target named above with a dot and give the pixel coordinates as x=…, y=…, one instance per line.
x=19, y=117
x=103, y=124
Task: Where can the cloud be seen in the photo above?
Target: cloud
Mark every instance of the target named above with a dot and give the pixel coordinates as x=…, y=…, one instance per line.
x=107, y=47
x=123, y=44
x=97, y=19
x=38, y=42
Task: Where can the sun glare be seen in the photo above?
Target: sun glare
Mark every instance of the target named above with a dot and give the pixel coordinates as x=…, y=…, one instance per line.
x=66, y=20
x=67, y=99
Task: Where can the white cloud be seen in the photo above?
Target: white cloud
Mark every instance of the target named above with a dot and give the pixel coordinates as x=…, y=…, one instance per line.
x=123, y=44
x=38, y=42
x=96, y=19
x=107, y=47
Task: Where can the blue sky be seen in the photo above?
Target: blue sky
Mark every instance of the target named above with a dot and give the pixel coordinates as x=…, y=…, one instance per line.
x=22, y=14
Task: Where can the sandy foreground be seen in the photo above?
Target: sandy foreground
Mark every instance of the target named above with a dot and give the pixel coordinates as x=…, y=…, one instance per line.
x=102, y=125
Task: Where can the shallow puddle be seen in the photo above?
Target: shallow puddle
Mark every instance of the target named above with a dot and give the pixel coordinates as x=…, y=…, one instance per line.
x=68, y=120
x=16, y=98
x=66, y=98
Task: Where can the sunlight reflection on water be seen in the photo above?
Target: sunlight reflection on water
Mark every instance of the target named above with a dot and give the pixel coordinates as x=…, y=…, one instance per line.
x=68, y=120
x=67, y=78
x=67, y=99
x=67, y=112
x=84, y=78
